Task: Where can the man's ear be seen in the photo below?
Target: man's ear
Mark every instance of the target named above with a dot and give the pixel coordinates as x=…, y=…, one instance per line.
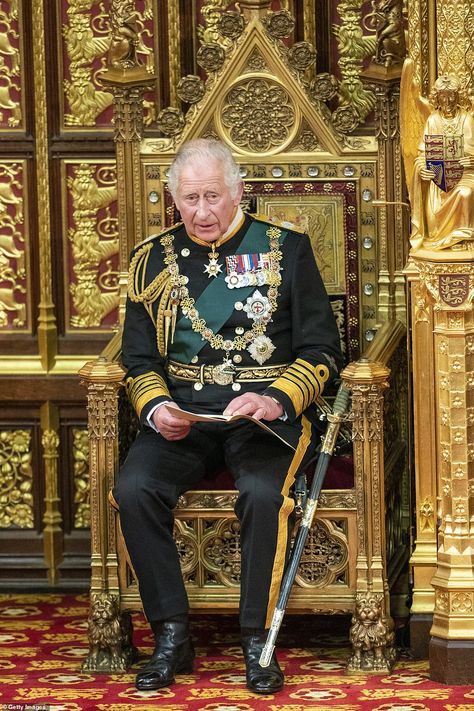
x=240, y=192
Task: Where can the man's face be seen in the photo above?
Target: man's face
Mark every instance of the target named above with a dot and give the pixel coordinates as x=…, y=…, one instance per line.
x=204, y=200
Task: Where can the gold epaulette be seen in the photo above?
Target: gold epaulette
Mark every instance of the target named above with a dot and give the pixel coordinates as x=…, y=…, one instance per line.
x=285, y=225
x=139, y=291
x=150, y=238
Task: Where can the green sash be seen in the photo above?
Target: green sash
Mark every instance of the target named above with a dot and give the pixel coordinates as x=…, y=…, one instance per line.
x=217, y=301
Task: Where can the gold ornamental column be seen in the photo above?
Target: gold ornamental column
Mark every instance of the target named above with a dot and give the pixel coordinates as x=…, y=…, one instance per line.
x=47, y=328
x=128, y=79
x=367, y=381
x=52, y=519
x=442, y=288
x=424, y=556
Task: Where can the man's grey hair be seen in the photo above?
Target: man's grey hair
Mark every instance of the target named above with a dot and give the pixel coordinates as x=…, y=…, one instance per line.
x=201, y=151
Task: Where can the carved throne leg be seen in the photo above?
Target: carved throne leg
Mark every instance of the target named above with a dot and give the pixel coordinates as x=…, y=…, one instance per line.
x=110, y=634
x=372, y=636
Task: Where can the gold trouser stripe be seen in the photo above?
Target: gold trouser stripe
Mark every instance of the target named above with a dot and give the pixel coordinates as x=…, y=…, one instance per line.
x=285, y=510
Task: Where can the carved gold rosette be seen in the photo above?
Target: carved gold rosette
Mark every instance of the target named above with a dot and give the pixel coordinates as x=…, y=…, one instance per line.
x=259, y=115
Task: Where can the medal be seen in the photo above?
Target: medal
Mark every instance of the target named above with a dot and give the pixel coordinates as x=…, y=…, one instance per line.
x=257, y=306
x=247, y=270
x=213, y=268
x=261, y=349
x=232, y=280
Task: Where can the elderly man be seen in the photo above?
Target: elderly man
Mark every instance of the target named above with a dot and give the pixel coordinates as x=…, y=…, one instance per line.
x=227, y=313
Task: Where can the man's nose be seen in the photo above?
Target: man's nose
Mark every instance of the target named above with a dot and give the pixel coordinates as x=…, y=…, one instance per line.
x=202, y=208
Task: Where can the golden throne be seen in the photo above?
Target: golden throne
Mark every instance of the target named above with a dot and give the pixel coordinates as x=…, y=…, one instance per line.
x=294, y=163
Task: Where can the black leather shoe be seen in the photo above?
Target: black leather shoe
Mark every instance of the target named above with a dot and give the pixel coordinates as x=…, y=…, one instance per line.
x=174, y=654
x=260, y=680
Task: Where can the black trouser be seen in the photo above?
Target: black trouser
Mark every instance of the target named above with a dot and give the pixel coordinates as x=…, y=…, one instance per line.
x=156, y=472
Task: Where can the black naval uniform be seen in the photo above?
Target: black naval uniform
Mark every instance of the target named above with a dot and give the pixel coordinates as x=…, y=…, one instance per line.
x=305, y=358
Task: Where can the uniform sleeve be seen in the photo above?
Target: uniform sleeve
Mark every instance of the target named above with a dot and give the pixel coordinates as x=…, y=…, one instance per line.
x=315, y=337
x=145, y=381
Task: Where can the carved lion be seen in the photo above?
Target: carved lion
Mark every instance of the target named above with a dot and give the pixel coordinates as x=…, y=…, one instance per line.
x=372, y=635
x=109, y=636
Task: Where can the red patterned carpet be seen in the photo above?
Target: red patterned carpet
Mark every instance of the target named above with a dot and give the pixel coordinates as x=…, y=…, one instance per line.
x=43, y=642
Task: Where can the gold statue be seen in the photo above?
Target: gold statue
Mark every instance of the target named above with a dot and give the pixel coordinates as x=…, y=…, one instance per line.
x=438, y=149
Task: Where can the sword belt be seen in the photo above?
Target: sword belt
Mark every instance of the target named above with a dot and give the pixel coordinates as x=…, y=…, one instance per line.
x=219, y=375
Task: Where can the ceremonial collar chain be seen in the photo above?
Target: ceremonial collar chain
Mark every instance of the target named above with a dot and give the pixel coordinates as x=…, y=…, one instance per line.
x=180, y=295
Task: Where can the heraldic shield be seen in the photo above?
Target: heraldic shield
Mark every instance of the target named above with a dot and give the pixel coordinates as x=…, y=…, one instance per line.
x=442, y=157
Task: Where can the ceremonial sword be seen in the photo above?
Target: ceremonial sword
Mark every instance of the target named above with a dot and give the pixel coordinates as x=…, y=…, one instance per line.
x=329, y=442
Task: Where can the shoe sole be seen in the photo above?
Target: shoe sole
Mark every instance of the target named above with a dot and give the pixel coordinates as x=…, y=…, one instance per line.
x=185, y=669
x=265, y=691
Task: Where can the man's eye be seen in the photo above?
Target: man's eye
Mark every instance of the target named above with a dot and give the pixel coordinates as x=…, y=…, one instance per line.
x=212, y=197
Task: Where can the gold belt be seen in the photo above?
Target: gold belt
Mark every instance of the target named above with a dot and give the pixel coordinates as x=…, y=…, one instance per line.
x=223, y=374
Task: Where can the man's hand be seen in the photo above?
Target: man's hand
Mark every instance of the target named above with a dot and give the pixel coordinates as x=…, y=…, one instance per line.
x=172, y=428
x=261, y=407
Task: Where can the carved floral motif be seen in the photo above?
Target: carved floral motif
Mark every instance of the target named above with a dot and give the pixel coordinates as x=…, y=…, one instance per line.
x=16, y=479
x=210, y=57
x=13, y=272
x=259, y=114
x=191, y=89
x=81, y=478
x=279, y=24
x=231, y=24
x=10, y=67
x=325, y=555
x=301, y=56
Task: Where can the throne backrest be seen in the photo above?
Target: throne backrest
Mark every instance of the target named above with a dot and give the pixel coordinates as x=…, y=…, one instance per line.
x=295, y=165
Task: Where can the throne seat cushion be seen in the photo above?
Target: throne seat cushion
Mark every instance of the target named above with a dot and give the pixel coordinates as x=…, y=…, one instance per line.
x=340, y=475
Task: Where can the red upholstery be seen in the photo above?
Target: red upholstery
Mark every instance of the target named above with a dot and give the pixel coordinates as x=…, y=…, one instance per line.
x=340, y=475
